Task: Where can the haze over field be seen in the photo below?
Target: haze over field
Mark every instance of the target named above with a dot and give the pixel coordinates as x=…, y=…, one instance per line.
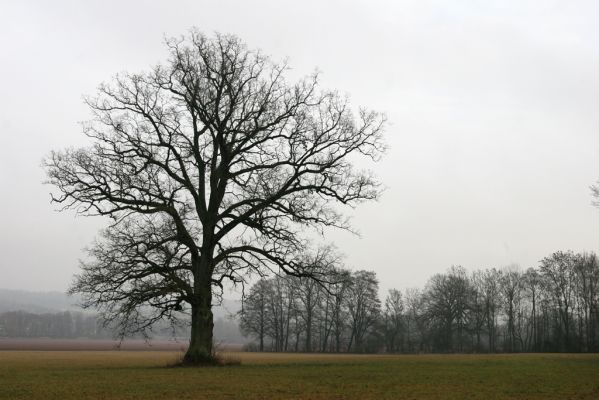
x=492, y=106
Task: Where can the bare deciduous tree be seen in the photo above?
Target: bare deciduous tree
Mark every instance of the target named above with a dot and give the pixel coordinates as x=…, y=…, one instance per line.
x=253, y=315
x=393, y=321
x=447, y=304
x=510, y=285
x=226, y=162
x=364, y=307
x=558, y=270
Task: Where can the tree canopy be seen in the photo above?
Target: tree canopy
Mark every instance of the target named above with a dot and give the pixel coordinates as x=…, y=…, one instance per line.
x=211, y=166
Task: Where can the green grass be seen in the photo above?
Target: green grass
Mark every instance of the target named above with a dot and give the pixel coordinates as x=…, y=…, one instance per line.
x=145, y=375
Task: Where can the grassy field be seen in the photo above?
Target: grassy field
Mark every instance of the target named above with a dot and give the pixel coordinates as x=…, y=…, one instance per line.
x=145, y=375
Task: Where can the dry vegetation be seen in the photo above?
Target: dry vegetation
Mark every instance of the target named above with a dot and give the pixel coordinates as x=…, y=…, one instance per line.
x=145, y=375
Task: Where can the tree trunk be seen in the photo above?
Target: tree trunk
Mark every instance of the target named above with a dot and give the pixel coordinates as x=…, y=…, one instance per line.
x=351, y=339
x=534, y=323
x=309, y=332
x=200, y=349
x=200, y=345
x=262, y=329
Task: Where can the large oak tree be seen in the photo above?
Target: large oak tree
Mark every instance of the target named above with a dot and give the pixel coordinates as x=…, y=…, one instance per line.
x=211, y=166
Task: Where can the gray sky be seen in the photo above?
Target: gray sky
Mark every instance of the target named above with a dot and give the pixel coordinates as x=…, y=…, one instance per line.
x=492, y=106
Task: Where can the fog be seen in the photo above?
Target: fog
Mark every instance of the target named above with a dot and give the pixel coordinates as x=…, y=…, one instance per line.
x=492, y=105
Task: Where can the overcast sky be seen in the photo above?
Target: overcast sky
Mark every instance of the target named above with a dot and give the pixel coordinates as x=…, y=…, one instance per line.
x=493, y=109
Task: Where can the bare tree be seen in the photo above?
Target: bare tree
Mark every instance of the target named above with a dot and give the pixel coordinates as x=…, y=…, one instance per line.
x=559, y=269
x=253, y=315
x=511, y=286
x=414, y=301
x=363, y=305
x=236, y=162
x=587, y=280
x=492, y=300
x=532, y=283
x=446, y=305
x=393, y=318
x=280, y=303
x=340, y=292
x=309, y=298
x=477, y=314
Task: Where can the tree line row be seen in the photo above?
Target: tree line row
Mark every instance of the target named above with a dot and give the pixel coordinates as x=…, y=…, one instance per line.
x=551, y=308
x=89, y=325
x=66, y=324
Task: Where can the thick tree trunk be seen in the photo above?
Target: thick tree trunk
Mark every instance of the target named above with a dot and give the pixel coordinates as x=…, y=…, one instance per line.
x=200, y=349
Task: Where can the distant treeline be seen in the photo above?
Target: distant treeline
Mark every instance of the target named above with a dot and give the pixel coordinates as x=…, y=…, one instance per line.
x=75, y=324
x=67, y=324
x=551, y=308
